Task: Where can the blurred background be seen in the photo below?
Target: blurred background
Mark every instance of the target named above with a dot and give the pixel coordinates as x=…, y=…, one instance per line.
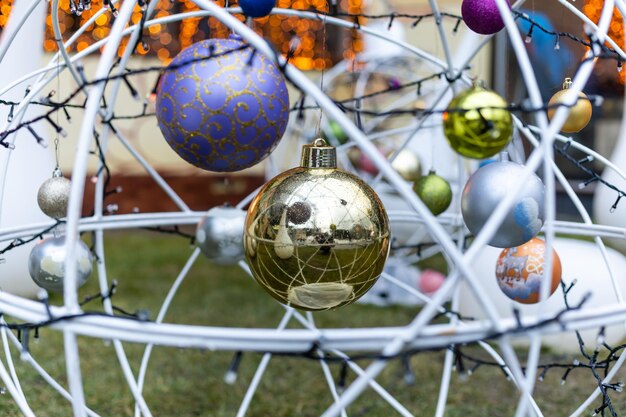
x=495, y=64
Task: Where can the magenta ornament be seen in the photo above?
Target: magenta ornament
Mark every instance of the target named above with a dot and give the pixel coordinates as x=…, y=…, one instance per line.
x=482, y=16
x=221, y=105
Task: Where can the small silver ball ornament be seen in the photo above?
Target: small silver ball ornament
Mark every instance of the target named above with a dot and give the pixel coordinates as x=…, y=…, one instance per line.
x=487, y=187
x=220, y=235
x=53, y=195
x=46, y=263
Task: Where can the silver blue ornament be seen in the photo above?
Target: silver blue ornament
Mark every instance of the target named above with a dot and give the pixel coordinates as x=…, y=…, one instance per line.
x=46, y=263
x=490, y=185
x=220, y=235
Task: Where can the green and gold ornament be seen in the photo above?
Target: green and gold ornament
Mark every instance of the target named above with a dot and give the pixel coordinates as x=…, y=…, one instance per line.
x=477, y=123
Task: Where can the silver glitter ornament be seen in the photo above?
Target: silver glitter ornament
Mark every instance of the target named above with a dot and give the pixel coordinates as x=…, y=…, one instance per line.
x=54, y=194
x=46, y=263
x=220, y=235
x=484, y=191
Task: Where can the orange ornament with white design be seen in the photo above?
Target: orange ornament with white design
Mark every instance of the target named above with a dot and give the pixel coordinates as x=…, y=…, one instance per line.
x=520, y=271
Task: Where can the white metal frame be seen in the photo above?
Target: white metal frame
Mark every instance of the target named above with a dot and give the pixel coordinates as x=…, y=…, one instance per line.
x=384, y=341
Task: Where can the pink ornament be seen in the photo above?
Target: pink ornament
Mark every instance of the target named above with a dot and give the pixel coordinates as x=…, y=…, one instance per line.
x=362, y=162
x=430, y=281
x=482, y=16
x=366, y=165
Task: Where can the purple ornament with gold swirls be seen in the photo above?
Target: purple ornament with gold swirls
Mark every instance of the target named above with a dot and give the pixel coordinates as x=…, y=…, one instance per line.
x=221, y=106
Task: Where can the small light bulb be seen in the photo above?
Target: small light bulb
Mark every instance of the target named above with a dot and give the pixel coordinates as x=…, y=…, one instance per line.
x=230, y=378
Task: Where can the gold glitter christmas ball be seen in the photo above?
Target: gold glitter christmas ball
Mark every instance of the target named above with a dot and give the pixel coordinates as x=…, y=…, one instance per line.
x=477, y=123
x=579, y=114
x=316, y=237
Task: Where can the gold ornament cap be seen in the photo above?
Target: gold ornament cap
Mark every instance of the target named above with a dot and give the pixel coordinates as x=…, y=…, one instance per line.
x=567, y=83
x=319, y=154
x=478, y=83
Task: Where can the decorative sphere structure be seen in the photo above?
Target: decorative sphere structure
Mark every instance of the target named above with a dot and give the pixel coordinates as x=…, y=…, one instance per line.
x=328, y=221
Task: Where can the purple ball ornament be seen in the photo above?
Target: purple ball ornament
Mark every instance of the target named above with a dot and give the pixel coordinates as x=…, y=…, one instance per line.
x=257, y=8
x=482, y=16
x=224, y=113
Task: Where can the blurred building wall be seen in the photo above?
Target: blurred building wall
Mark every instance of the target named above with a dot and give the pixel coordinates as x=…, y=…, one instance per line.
x=147, y=139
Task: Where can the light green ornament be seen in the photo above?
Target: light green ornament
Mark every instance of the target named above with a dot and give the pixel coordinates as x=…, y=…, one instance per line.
x=435, y=192
x=481, y=131
x=335, y=133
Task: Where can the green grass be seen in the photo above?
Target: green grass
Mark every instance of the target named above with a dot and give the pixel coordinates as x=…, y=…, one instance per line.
x=189, y=382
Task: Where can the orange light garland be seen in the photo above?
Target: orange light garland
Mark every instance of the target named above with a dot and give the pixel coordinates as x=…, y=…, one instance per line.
x=593, y=9
x=317, y=49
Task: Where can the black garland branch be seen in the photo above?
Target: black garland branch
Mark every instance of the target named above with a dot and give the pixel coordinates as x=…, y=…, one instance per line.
x=465, y=364
x=592, y=175
x=77, y=91
x=558, y=35
x=598, y=363
x=419, y=113
x=19, y=242
x=311, y=353
x=174, y=230
x=607, y=53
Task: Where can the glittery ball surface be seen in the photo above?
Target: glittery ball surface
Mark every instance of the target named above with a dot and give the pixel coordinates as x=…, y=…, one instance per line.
x=53, y=196
x=482, y=16
x=435, y=192
x=221, y=106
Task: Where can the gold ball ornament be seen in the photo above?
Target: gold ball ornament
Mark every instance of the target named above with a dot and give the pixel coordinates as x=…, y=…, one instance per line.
x=316, y=237
x=579, y=114
x=477, y=124
x=435, y=192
